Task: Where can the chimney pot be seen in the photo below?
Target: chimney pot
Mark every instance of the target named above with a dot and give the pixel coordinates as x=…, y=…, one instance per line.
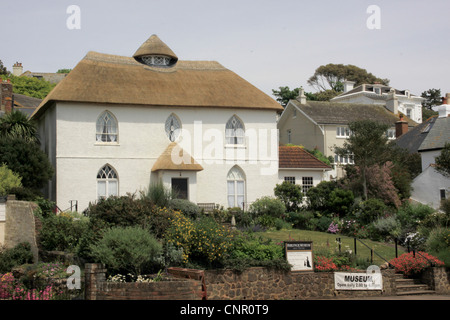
x=401, y=127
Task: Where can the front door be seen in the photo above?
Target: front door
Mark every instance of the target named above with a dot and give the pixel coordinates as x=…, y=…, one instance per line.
x=180, y=188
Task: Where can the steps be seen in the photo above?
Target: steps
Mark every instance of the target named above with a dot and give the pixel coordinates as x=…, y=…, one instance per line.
x=407, y=286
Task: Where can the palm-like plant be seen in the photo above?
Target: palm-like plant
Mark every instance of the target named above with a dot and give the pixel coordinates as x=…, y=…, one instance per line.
x=17, y=125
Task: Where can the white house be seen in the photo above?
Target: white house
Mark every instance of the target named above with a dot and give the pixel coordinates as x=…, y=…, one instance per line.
x=395, y=100
x=116, y=124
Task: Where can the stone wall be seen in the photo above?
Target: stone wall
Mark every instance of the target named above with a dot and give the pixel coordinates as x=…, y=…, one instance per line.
x=97, y=288
x=438, y=279
x=20, y=225
x=265, y=284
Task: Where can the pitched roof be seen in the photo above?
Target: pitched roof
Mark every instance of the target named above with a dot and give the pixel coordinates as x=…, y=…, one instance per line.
x=370, y=89
x=295, y=157
x=325, y=112
x=112, y=79
x=438, y=135
x=412, y=139
x=166, y=160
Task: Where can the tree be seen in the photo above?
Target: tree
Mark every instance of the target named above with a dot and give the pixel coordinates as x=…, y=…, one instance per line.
x=331, y=77
x=63, y=70
x=443, y=160
x=432, y=98
x=284, y=94
x=3, y=70
x=290, y=194
x=367, y=145
x=27, y=160
x=32, y=87
x=16, y=124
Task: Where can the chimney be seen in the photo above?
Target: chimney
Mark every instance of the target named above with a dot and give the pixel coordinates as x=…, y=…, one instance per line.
x=392, y=102
x=301, y=96
x=348, y=85
x=401, y=127
x=5, y=95
x=17, y=69
x=444, y=108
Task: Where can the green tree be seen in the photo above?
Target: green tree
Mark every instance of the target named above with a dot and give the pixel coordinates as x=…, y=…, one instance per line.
x=63, y=70
x=32, y=87
x=290, y=194
x=28, y=161
x=367, y=145
x=331, y=77
x=443, y=160
x=16, y=124
x=432, y=98
x=3, y=70
x=284, y=94
x=8, y=180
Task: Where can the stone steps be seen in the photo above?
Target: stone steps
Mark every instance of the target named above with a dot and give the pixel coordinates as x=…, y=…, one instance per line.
x=407, y=286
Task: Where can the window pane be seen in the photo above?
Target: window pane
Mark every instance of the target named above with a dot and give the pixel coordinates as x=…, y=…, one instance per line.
x=101, y=189
x=112, y=188
x=240, y=188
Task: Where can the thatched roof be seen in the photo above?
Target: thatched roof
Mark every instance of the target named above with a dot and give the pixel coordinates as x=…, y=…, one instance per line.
x=175, y=152
x=154, y=46
x=112, y=79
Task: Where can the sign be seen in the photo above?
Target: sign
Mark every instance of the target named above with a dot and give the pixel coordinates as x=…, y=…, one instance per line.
x=299, y=255
x=358, y=281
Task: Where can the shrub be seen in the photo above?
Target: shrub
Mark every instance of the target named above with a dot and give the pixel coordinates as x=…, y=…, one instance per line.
x=268, y=206
x=120, y=211
x=127, y=249
x=62, y=232
x=410, y=263
x=300, y=220
x=290, y=194
x=385, y=228
x=8, y=180
x=159, y=194
x=10, y=258
x=323, y=223
x=370, y=210
x=438, y=244
x=187, y=207
x=281, y=224
x=248, y=247
x=410, y=216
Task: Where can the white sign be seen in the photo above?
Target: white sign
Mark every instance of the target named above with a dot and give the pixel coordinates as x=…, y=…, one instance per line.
x=299, y=255
x=358, y=281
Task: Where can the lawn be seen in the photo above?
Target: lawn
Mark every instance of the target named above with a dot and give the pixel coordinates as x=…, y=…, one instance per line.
x=326, y=243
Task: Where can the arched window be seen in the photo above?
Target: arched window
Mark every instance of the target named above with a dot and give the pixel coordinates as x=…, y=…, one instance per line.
x=173, y=127
x=106, y=129
x=107, y=182
x=236, y=187
x=234, y=131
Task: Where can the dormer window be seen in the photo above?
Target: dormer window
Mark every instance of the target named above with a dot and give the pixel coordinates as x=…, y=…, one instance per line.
x=155, y=60
x=377, y=90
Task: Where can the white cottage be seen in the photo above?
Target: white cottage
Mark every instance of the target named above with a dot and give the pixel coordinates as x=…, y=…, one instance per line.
x=116, y=124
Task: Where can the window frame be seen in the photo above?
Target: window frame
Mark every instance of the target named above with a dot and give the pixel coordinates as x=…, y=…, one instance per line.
x=107, y=177
x=103, y=124
x=235, y=176
x=231, y=134
x=307, y=183
x=343, y=132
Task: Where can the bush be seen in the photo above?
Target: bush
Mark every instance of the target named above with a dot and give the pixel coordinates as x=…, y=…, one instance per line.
x=370, y=210
x=127, y=249
x=187, y=207
x=121, y=211
x=267, y=206
x=410, y=216
x=300, y=220
x=10, y=258
x=290, y=194
x=8, y=180
x=323, y=223
x=438, y=244
x=159, y=194
x=248, y=247
x=62, y=232
x=385, y=228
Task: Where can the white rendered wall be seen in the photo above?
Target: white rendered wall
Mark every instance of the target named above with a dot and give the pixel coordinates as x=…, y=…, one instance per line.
x=141, y=141
x=426, y=187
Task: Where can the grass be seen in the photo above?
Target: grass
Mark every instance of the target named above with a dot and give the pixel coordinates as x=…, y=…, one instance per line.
x=325, y=243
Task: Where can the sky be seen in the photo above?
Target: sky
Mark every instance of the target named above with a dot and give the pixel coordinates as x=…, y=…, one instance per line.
x=269, y=43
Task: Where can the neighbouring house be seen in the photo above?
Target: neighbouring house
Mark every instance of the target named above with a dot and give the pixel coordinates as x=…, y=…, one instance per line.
x=52, y=77
x=324, y=125
x=298, y=166
x=396, y=100
x=115, y=125
x=14, y=101
x=431, y=186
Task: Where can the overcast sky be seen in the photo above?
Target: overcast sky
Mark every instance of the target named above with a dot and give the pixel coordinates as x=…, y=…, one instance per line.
x=269, y=43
